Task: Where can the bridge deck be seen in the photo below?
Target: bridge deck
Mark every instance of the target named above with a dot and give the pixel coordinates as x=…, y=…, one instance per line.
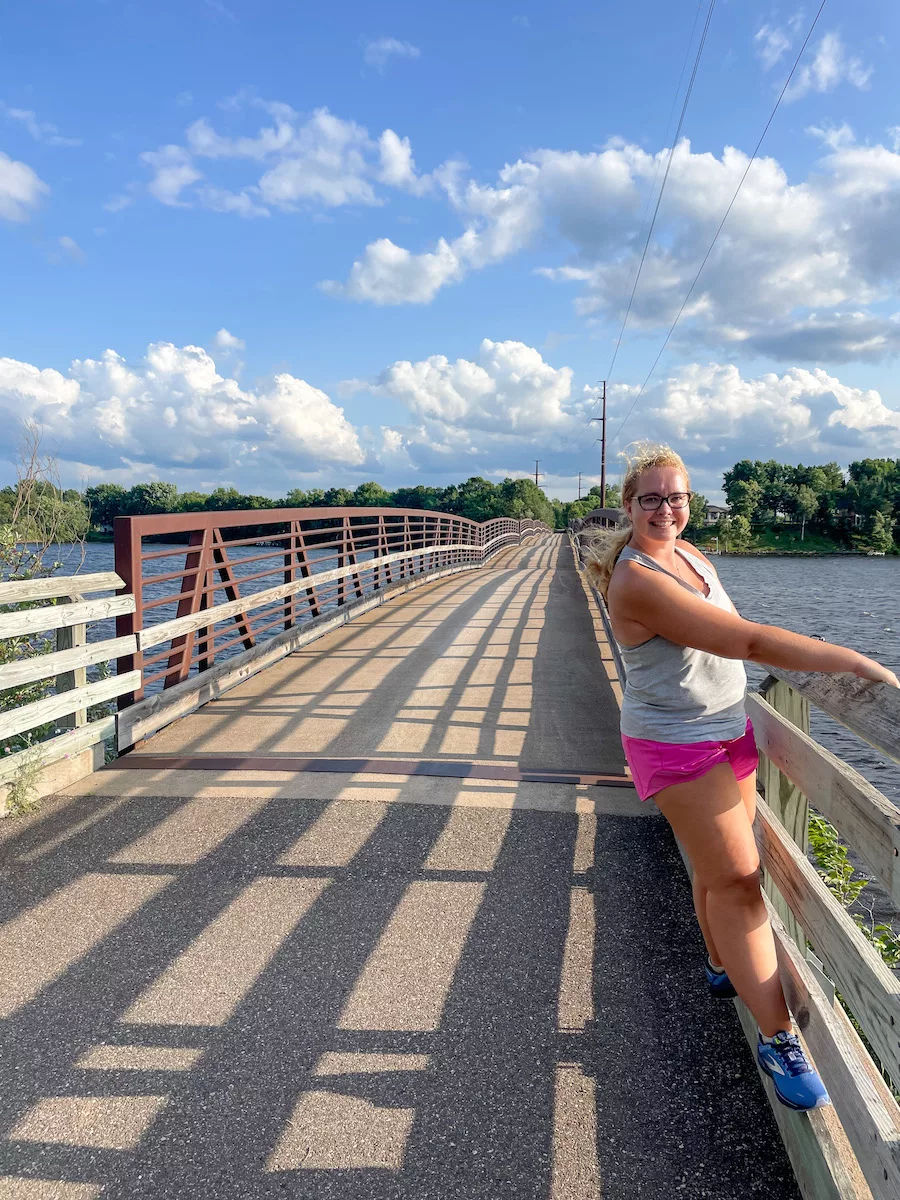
x=433, y=973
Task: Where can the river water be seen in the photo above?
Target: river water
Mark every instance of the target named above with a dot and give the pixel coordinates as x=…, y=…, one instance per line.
x=850, y=600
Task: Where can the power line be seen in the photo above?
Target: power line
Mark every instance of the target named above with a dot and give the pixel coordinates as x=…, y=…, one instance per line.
x=724, y=219
x=651, y=191
x=662, y=189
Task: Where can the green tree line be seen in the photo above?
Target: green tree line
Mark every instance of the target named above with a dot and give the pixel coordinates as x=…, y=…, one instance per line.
x=858, y=507
x=861, y=506
x=478, y=499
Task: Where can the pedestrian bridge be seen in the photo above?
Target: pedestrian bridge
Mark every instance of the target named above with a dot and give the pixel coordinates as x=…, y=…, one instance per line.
x=370, y=908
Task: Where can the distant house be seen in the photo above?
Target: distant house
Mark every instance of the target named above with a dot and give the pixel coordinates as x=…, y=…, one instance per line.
x=716, y=513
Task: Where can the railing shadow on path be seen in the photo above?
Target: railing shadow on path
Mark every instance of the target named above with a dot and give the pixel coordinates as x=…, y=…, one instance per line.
x=434, y=686
x=92, y=820
x=360, y=999
x=363, y=691
x=286, y=680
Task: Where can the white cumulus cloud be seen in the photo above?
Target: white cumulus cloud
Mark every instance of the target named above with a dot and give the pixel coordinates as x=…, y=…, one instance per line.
x=507, y=405
x=173, y=413
x=379, y=51
x=796, y=257
x=831, y=65
x=711, y=410
x=174, y=410
x=510, y=389
x=21, y=189
x=398, y=169
x=227, y=341
x=469, y=414
x=174, y=172
x=772, y=43
x=388, y=274
x=320, y=161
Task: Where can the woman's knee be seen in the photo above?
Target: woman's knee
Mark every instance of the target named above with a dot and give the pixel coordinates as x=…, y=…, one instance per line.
x=737, y=886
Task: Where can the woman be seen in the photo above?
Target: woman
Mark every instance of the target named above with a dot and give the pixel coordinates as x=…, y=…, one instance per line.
x=689, y=743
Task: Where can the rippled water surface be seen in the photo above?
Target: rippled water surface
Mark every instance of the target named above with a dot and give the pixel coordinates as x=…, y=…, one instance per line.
x=853, y=601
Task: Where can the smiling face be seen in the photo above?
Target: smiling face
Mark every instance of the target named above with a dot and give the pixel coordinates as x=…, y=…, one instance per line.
x=660, y=528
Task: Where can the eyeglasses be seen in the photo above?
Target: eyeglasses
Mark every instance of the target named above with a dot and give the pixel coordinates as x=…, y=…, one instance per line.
x=652, y=501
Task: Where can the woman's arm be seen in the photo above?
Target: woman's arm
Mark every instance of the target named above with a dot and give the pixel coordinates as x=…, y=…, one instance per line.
x=669, y=610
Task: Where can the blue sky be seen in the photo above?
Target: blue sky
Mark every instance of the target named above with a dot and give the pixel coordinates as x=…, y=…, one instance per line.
x=272, y=245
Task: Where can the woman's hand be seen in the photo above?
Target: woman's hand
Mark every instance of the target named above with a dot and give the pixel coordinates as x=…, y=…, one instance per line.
x=868, y=668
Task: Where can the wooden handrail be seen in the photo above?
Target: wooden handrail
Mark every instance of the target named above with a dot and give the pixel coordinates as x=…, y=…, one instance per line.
x=58, y=604
x=856, y=968
x=866, y=1110
x=870, y=710
x=40, y=712
x=862, y=815
x=19, y=591
x=60, y=616
x=46, y=666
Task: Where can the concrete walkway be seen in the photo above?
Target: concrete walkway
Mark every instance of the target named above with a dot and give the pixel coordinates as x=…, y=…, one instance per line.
x=391, y=982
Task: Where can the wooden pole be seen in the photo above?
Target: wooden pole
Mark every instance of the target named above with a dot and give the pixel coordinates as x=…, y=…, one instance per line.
x=786, y=801
x=68, y=639
x=602, y=439
x=603, y=451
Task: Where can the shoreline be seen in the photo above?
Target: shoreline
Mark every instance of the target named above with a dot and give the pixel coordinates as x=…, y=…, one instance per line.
x=772, y=553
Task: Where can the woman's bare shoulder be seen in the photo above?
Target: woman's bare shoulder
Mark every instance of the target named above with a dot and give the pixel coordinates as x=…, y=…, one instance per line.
x=630, y=577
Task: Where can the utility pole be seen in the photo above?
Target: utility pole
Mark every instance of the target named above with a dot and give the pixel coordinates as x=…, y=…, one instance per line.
x=537, y=463
x=602, y=421
x=579, y=485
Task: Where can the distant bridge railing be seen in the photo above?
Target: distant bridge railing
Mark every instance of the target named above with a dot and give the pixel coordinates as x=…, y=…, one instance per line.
x=203, y=601
x=822, y=952
x=241, y=589
x=598, y=518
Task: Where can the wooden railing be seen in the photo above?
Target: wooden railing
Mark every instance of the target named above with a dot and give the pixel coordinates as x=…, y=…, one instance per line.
x=284, y=577
x=796, y=772
x=822, y=952
x=56, y=608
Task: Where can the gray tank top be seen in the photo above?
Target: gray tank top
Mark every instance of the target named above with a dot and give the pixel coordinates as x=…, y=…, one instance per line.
x=674, y=693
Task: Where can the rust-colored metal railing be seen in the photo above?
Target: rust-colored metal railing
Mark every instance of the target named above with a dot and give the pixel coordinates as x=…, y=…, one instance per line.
x=225, y=580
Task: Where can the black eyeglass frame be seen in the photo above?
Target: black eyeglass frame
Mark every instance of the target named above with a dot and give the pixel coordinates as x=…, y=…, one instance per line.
x=664, y=499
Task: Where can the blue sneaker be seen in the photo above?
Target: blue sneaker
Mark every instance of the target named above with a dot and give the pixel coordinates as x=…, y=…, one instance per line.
x=797, y=1085
x=719, y=983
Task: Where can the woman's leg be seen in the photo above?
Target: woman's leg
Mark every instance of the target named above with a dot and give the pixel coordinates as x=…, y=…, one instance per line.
x=711, y=820
x=699, y=889
x=747, y=788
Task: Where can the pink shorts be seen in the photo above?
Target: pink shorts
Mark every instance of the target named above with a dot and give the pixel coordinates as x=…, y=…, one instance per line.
x=658, y=765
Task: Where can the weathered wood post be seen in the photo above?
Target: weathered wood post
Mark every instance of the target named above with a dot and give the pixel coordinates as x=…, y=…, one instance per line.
x=786, y=800
x=68, y=639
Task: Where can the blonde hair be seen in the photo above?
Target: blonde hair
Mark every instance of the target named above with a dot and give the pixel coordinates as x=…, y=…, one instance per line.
x=602, y=549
